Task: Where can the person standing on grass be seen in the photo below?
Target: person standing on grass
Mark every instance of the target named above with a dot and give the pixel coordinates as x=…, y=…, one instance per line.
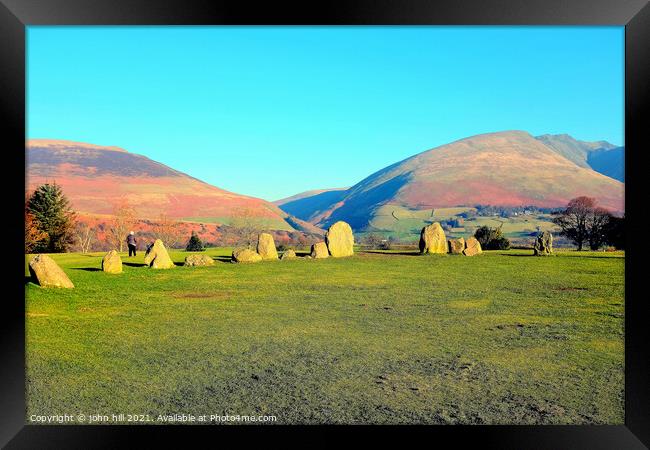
x=132, y=242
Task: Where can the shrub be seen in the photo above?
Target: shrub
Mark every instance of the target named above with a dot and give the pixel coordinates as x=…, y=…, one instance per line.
x=492, y=238
x=194, y=244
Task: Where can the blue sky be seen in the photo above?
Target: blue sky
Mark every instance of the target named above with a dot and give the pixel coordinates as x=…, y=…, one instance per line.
x=273, y=111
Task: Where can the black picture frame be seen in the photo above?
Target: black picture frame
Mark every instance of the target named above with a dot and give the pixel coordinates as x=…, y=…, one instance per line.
x=15, y=15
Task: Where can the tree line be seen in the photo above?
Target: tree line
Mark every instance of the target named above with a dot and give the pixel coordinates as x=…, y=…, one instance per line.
x=51, y=226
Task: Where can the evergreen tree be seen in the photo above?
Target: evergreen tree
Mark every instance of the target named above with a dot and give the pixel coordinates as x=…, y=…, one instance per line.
x=53, y=216
x=194, y=244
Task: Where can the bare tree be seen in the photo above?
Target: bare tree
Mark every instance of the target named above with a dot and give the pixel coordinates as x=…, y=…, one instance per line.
x=246, y=226
x=123, y=221
x=85, y=236
x=168, y=231
x=583, y=222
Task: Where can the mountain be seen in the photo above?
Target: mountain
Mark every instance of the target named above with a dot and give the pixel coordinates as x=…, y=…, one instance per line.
x=600, y=156
x=96, y=178
x=509, y=168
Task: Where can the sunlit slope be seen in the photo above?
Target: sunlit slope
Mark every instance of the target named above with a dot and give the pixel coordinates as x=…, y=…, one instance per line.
x=96, y=178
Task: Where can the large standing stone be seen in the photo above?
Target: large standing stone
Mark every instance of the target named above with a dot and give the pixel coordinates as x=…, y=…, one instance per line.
x=456, y=246
x=47, y=273
x=266, y=246
x=157, y=256
x=319, y=250
x=245, y=255
x=472, y=247
x=289, y=254
x=543, y=244
x=433, y=239
x=198, y=260
x=339, y=240
x=111, y=262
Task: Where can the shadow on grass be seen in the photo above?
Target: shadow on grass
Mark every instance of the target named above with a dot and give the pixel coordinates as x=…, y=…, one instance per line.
x=130, y=264
x=380, y=252
x=28, y=279
x=87, y=269
x=222, y=258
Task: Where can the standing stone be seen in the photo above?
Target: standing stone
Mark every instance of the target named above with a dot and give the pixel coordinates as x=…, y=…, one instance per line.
x=472, y=247
x=433, y=239
x=46, y=273
x=157, y=256
x=266, y=246
x=456, y=246
x=543, y=244
x=111, y=262
x=289, y=254
x=198, y=260
x=339, y=240
x=319, y=250
x=245, y=255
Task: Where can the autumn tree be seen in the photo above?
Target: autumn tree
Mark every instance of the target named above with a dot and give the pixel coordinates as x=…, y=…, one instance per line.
x=53, y=216
x=33, y=234
x=122, y=222
x=168, y=231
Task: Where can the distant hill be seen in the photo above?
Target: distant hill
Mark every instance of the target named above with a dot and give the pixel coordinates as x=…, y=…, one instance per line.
x=601, y=156
x=307, y=205
x=509, y=168
x=96, y=178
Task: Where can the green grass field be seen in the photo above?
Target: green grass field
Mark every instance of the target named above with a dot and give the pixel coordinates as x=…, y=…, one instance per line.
x=501, y=338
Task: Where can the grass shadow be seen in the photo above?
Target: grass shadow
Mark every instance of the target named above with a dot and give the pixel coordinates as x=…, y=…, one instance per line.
x=381, y=252
x=87, y=269
x=130, y=264
x=222, y=258
x=27, y=279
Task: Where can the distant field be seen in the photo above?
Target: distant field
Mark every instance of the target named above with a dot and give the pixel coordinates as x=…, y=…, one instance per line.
x=391, y=337
x=406, y=224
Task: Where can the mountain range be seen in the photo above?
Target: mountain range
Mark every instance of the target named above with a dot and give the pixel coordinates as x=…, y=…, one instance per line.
x=509, y=168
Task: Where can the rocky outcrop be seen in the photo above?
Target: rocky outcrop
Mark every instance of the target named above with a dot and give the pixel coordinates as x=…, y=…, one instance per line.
x=340, y=240
x=46, y=273
x=111, y=262
x=266, y=246
x=157, y=257
x=433, y=239
x=543, y=244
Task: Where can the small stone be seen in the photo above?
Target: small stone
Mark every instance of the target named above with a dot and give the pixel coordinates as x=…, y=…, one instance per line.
x=319, y=250
x=472, y=247
x=198, y=260
x=289, y=254
x=456, y=246
x=245, y=255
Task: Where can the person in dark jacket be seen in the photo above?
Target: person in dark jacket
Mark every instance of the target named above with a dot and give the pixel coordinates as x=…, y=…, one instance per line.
x=132, y=242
